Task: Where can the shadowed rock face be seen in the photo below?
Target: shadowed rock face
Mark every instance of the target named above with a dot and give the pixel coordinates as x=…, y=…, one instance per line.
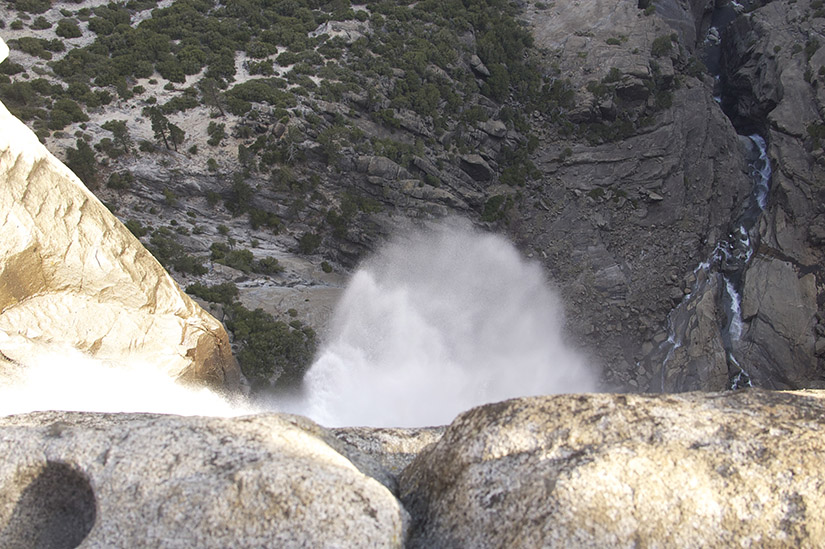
x=693, y=470
x=72, y=274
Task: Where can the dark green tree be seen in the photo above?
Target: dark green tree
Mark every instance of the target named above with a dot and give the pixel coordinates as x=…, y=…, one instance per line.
x=176, y=135
x=211, y=94
x=120, y=133
x=81, y=161
x=66, y=28
x=160, y=124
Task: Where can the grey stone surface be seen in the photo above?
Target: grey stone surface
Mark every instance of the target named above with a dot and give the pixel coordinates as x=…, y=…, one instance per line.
x=122, y=481
x=693, y=470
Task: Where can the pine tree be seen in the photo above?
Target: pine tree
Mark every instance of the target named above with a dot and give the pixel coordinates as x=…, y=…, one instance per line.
x=176, y=135
x=211, y=94
x=160, y=124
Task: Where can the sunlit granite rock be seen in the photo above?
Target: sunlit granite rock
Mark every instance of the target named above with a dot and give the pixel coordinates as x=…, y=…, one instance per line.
x=72, y=274
x=740, y=469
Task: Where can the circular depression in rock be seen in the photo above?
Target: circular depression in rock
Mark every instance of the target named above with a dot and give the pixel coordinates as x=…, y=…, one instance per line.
x=55, y=510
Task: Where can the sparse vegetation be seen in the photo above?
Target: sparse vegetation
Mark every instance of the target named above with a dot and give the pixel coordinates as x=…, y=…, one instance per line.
x=171, y=254
x=271, y=353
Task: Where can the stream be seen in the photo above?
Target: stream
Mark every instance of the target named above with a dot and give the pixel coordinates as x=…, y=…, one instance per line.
x=729, y=260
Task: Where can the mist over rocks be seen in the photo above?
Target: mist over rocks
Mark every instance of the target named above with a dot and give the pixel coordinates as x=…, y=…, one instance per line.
x=638, y=173
x=635, y=170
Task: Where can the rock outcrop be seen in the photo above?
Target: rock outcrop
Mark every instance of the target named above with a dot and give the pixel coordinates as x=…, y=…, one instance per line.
x=168, y=481
x=71, y=273
x=693, y=470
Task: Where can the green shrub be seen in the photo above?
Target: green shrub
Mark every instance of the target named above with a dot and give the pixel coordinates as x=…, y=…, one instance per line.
x=263, y=90
x=172, y=255
x=259, y=218
x=81, y=160
x=308, y=243
x=101, y=26
x=662, y=46
x=120, y=133
x=224, y=293
x=66, y=28
x=237, y=259
x=41, y=23
x=33, y=6
x=216, y=133
x=268, y=266
x=240, y=196
x=170, y=197
x=38, y=47
x=271, y=353
x=179, y=103
x=817, y=133
x=496, y=207
x=11, y=68
x=136, y=228
x=120, y=181
x=64, y=112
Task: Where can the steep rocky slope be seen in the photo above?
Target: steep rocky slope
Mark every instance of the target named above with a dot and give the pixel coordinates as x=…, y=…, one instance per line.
x=72, y=275
x=589, y=132
x=625, y=213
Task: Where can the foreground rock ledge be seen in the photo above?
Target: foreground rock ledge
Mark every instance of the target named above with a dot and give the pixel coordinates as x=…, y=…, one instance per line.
x=72, y=275
x=119, y=481
x=695, y=470
x=743, y=469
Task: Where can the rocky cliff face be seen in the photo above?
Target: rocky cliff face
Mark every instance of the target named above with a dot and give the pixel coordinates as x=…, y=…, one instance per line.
x=599, y=146
x=573, y=470
x=639, y=194
x=72, y=274
x=644, y=231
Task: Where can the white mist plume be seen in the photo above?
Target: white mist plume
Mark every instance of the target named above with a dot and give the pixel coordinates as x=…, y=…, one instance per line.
x=435, y=323
x=62, y=378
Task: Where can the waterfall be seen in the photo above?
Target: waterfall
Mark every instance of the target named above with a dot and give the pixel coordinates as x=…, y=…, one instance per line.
x=436, y=322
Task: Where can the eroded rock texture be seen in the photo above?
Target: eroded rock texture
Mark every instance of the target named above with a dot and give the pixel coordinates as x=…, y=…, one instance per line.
x=168, y=481
x=72, y=274
x=694, y=470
